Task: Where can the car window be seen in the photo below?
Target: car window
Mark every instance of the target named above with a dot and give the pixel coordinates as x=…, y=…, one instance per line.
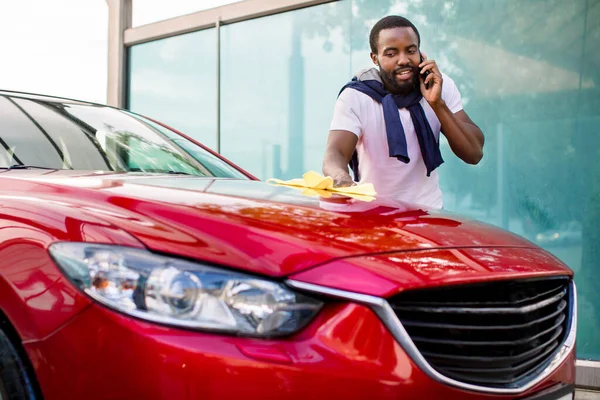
x=76, y=148
x=143, y=155
x=167, y=132
x=66, y=135
x=22, y=142
x=215, y=165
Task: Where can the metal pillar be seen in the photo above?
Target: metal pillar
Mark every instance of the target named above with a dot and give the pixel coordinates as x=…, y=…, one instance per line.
x=119, y=19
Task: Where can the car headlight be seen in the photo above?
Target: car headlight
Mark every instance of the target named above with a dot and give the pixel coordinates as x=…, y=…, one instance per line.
x=183, y=293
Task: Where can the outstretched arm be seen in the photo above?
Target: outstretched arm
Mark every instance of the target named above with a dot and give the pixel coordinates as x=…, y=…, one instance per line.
x=339, y=150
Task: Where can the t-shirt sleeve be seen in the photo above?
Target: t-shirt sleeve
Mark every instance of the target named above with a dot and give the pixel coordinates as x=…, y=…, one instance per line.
x=451, y=95
x=345, y=113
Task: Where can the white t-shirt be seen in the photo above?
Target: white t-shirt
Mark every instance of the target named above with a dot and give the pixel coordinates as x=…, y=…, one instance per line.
x=358, y=113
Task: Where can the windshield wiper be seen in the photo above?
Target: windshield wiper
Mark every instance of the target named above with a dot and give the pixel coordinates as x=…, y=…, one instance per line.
x=21, y=166
x=178, y=173
x=162, y=172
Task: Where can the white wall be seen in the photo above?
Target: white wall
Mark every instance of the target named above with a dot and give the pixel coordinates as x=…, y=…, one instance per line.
x=148, y=11
x=55, y=47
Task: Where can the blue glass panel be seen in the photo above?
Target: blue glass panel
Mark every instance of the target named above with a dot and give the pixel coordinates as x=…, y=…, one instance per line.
x=279, y=80
x=174, y=80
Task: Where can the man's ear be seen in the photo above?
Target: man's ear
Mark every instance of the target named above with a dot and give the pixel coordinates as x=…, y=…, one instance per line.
x=374, y=58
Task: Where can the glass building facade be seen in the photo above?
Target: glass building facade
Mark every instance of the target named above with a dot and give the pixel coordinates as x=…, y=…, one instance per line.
x=528, y=71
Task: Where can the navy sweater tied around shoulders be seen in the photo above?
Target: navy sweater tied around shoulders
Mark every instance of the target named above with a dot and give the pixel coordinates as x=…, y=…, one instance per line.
x=369, y=83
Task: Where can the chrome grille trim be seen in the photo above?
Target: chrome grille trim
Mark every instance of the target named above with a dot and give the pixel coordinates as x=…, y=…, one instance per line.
x=387, y=315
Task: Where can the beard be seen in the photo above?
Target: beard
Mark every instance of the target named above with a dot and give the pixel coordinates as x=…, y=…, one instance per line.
x=395, y=87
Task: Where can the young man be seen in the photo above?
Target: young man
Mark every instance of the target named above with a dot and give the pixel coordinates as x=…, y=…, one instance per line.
x=387, y=121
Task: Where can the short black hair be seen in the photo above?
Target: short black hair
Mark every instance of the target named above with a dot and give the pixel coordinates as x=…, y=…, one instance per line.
x=389, y=22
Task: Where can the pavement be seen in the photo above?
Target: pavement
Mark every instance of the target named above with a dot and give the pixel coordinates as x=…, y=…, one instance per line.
x=581, y=394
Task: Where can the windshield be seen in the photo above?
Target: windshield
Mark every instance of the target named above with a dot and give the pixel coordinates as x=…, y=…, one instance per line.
x=70, y=135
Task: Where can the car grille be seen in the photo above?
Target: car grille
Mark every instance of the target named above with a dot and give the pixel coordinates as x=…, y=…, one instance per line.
x=493, y=334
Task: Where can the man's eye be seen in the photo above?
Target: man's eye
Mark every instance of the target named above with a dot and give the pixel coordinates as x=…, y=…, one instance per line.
x=389, y=54
x=412, y=51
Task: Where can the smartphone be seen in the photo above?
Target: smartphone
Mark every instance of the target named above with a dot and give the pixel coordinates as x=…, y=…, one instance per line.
x=425, y=75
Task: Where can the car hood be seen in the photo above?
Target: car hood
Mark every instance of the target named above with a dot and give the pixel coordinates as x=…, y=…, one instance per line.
x=256, y=226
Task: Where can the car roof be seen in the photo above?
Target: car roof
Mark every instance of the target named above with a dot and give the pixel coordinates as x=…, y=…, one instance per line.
x=37, y=96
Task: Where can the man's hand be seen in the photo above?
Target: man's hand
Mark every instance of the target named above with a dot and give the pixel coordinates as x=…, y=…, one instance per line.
x=343, y=180
x=433, y=95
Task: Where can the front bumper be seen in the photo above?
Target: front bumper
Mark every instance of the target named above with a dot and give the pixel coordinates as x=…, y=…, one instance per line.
x=346, y=352
x=386, y=314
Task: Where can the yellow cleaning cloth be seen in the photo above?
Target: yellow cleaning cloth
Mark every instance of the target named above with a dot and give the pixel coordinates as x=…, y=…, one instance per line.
x=315, y=184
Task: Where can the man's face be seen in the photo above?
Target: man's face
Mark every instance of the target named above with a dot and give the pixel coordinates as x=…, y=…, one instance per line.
x=398, y=58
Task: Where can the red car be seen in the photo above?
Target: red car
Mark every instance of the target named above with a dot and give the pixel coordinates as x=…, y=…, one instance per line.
x=135, y=263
